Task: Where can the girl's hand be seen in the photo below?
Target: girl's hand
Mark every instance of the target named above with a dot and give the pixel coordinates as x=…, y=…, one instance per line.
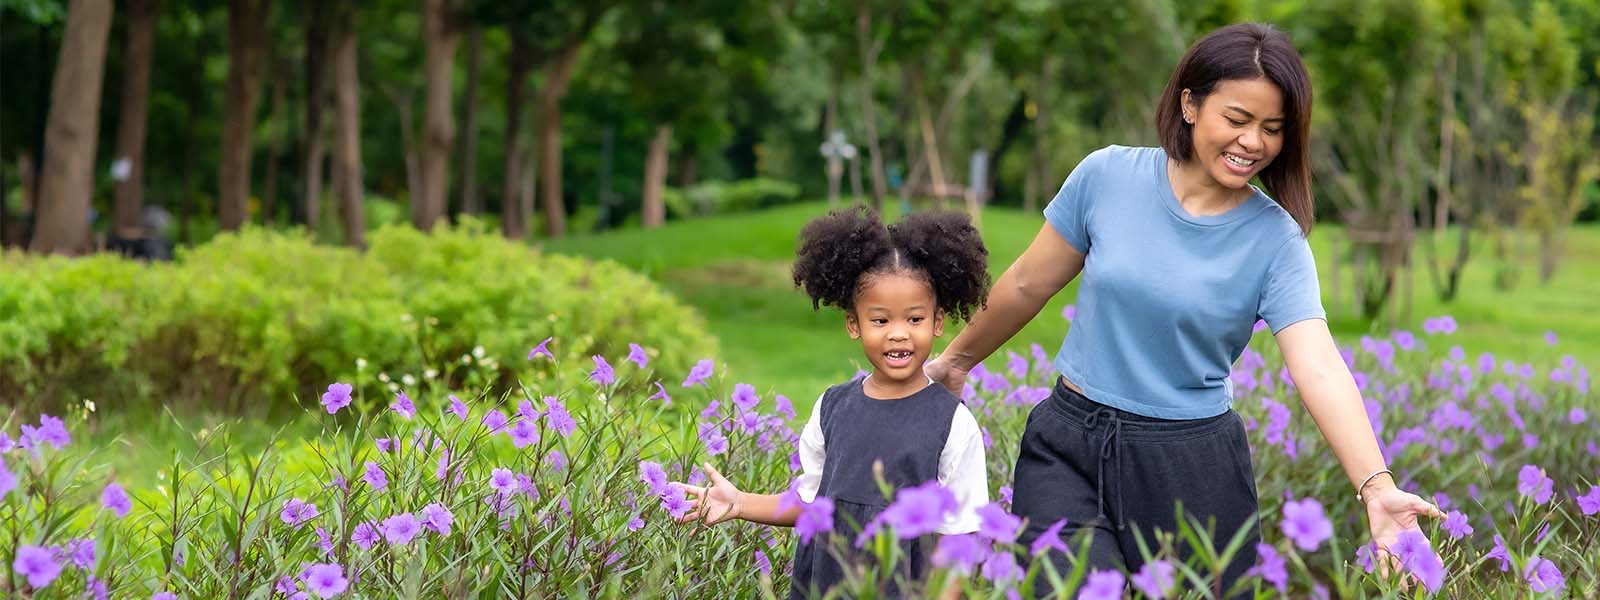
x=715, y=503
x=942, y=371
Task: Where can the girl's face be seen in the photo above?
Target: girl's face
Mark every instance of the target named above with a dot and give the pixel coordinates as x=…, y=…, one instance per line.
x=896, y=318
x=1238, y=129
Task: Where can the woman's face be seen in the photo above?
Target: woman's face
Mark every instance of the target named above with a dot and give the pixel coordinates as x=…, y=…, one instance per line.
x=1238, y=129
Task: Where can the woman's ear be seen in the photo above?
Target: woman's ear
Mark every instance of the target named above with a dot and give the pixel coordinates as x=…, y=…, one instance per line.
x=1187, y=107
x=851, y=325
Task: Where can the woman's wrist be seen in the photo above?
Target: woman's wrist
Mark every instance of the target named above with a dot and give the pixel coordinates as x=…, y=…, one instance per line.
x=1375, y=486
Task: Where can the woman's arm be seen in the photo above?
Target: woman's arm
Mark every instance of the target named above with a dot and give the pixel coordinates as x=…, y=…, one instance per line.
x=1048, y=265
x=1330, y=395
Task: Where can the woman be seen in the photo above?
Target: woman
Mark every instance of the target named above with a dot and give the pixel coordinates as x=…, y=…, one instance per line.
x=1180, y=256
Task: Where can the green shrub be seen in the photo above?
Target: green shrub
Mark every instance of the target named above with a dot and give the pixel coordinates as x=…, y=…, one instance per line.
x=263, y=315
x=720, y=197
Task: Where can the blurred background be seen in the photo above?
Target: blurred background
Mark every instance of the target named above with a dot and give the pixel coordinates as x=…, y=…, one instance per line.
x=220, y=207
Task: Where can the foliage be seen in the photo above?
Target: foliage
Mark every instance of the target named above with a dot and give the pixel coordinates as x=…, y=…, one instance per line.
x=260, y=315
x=551, y=488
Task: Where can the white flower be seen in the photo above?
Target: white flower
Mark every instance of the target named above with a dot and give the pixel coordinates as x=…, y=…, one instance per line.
x=408, y=380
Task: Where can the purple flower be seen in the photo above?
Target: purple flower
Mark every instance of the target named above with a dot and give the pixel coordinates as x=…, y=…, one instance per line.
x=458, y=408
x=324, y=543
x=401, y=528
x=1305, y=523
x=1589, y=503
x=116, y=499
x=602, y=373
x=494, y=420
x=503, y=481
x=636, y=523
x=815, y=518
x=1550, y=338
x=1155, y=579
x=1102, y=585
x=661, y=394
x=784, y=406
x=296, y=511
x=403, y=406
x=365, y=535
x=384, y=444
x=1456, y=524
x=8, y=480
x=435, y=517
x=50, y=431
x=1418, y=557
x=1069, y=311
x=525, y=433
x=1270, y=567
x=543, y=349
x=996, y=524
x=762, y=564
x=38, y=564
x=326, y=580
x=919, y=510
x=1532, y=482
x=1001, y=567
x=675, y=503
x=556, y=460
x=1577, y=416
x=374, y=476
x=558, y=417
x=744, y=397
x=337, y=397
x=1500, y=553
x=1017, y=365
x=716, y=443
x=654, y=476
x=1543, y=576
x=699, y=373
x=637, y=356
x=959, y=552
x=81, y=553
x=1365, y=554
x=164, y=596
x=1050, y=539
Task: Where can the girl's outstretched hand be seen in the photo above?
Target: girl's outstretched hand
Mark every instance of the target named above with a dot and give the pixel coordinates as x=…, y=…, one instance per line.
x=713, y=504
x=941, y=371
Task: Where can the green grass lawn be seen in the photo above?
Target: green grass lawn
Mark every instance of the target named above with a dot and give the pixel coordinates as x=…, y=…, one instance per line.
x=735, y=270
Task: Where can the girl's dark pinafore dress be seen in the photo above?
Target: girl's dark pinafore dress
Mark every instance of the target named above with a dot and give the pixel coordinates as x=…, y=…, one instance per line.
x=907, y=435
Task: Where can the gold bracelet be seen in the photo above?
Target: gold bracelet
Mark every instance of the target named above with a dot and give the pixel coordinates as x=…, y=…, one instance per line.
x=1368, y=480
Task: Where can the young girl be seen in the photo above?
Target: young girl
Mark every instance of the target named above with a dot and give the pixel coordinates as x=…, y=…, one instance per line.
x=896, y=285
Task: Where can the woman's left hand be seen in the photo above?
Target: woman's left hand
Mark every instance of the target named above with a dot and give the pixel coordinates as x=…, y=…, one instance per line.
x=1391, y=510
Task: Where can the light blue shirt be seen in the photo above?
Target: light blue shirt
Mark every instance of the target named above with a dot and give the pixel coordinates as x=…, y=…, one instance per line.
x=1167, y=300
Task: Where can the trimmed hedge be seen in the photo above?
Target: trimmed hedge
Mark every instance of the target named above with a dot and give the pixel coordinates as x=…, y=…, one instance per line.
x=261, y=315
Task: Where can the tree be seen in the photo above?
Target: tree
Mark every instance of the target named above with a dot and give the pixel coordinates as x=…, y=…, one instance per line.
x=469, y=123
x=72, y=130
x=246, y=57
x=441, y=35
x=318, y=13
x=140, y=49
x=347, y=127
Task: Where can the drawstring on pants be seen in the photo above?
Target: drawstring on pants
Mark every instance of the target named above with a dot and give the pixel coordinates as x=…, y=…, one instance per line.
x=1108, y=450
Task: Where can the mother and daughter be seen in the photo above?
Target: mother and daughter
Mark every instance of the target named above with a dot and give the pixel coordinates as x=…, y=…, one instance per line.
x=1179, y=256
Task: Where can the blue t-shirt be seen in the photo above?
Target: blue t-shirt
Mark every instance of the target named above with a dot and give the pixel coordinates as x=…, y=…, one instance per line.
x=1167, y=300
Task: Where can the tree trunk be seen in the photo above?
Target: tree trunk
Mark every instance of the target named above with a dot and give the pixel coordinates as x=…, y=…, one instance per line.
x=440, y=37
x=408, y=139
x=557, y=75
x=347, y=134
x=870, y=49
x=280, y=114
x=129, y=201
x=246, y=53
x=469, y=123
x=514, y=222
x=71, y=131
x=688, y=167
x=653, y=213
x=316, y=72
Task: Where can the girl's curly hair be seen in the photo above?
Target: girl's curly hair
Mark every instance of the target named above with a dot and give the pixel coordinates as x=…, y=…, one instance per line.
x=840, y=251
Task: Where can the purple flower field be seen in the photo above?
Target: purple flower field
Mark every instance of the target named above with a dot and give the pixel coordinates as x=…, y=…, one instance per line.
x=561, y=489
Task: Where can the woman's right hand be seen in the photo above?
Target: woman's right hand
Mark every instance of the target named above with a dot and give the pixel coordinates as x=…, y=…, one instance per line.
x=714, y=503
x=944, y=371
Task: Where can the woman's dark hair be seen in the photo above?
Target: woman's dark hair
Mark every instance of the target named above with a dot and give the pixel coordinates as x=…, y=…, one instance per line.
x=1241, y=52
x=840, y=251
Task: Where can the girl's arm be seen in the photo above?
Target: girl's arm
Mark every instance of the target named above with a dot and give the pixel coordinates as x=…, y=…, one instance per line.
x=721, y=501
x=1330, y=395
x=1048, y=265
